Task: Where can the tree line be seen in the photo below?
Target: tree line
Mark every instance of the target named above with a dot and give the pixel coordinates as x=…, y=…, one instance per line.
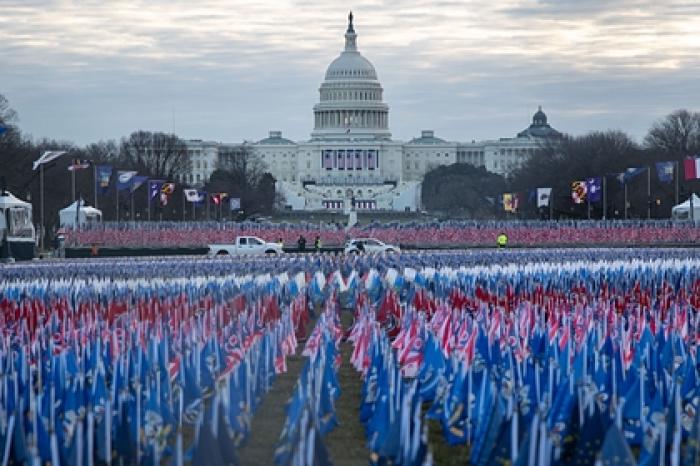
x=156, y=155
x=474, y=193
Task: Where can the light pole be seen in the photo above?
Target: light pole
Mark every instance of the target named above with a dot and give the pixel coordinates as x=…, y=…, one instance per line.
x=39, y=163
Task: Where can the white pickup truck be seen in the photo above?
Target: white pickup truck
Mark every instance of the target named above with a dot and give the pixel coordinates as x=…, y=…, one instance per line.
x=251, y=245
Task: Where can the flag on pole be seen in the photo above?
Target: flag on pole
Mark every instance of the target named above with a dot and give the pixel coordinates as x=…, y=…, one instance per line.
x=578, y=191
x=165, y=192
x=628, y=174
x=136, y=182
x=234, y=203
x=3, y=129
x=594, y=189
x=218, y=198
x=691, y=166
x=509, y=202
x=78, y=164
x=103, y=174
x=665, y=171
x=124, y=179
x=192, y=195
x=46, y=157
x=154, y=187
x=543, y=196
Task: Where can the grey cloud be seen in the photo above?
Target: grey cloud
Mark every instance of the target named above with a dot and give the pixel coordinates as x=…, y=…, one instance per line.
x=232, y=71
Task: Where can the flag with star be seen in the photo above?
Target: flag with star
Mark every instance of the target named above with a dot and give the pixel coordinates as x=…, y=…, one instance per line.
x=594, y=189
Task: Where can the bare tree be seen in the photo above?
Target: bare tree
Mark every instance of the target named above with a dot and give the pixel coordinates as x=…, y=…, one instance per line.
x=8, y=116
x=155, y=154
x=242, y=174
x=676, y=135
x=103, y=151
x=243, y=164
x=597, y=154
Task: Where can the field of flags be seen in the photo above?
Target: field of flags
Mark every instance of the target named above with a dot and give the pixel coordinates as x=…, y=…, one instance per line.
x=447, y=234
x=533, y=357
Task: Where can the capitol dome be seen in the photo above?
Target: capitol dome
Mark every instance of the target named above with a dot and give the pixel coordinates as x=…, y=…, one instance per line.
x=351, y=105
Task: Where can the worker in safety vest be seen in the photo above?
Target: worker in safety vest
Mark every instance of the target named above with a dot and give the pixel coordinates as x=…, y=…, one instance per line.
x=502, y=240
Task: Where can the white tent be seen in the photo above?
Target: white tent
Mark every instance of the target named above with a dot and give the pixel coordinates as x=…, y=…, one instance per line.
x=9, y=200
x=682, y=210
x=18, y=206
x=86, y=215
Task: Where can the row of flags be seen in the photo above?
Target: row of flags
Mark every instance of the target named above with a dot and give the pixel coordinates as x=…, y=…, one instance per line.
x=590, y=190
x=117, y=372
x=523, y=358
x=561, y=364
x=130, y=180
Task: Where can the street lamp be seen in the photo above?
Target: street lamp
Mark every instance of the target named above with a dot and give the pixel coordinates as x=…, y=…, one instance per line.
x=39, y=163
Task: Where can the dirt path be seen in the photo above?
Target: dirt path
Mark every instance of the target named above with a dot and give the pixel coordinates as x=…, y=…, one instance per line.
x=259, y=447
x=347, y=443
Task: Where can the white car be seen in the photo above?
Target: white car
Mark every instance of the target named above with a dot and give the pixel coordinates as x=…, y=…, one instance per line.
x=245, y=245
x=368, y=245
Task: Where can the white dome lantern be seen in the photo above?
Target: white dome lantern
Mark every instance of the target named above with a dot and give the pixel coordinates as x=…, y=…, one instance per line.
x=351, y=105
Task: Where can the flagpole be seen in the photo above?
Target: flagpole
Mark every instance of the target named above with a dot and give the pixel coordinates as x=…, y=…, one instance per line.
x=551, y=205
x=41, y=203
x=94, y=183
x=148, y=201
x=649, y=193
x=183, y=206
x=116, y=191
x=588, y=205
x=72, y=178
x=605, y=197
x=625, y=199
x=194, y=214
x=677, y=173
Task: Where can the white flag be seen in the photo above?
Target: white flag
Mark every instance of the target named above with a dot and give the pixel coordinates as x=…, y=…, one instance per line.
x=46, y=157
x=543, y=195
x=192, y=195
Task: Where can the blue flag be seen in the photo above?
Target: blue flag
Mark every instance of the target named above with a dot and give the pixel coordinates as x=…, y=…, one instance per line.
x=3, y=129
x=154, y=187
x=136, y=182
x=615, y=451
x=124, y=178
x=628, y=174
x=103, y=174
x=665, y=171
x=594, y=189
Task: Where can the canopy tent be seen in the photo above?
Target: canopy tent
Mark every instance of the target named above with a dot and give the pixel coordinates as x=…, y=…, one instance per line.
x=85, y=215
x=682, y=210
x=17, y=211
x=7, y=199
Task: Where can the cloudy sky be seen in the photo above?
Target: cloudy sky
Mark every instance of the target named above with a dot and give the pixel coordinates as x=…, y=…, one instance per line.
x=224, y=70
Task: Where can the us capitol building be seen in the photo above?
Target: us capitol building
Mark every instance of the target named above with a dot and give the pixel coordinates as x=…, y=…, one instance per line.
x=351, y=155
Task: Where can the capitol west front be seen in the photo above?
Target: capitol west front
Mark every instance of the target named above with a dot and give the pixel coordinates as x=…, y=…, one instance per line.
x=351, y=155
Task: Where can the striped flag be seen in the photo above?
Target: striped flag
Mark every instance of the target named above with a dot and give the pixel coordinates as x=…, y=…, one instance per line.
x=78, y=164
x=691, y=166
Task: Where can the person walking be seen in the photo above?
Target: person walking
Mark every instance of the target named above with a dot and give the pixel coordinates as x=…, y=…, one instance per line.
x=317, y=243
x=301, y=243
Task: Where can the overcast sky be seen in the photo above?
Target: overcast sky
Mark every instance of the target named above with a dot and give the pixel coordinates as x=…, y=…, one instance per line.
x=227, y=71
